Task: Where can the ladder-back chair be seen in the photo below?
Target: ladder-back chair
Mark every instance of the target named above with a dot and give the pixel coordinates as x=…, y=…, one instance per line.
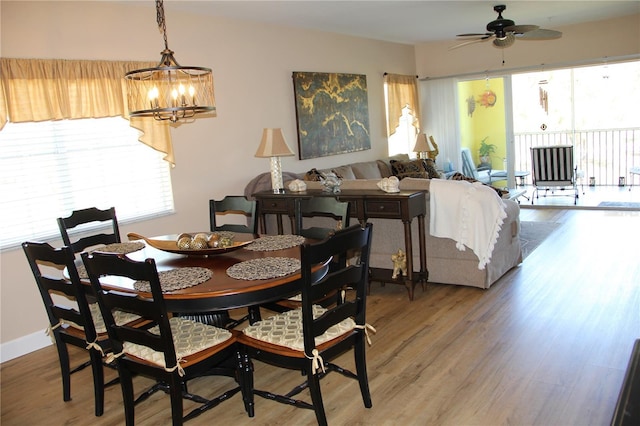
x=337, y=212
x=67, y=325
x=309, y=337
x=234, y=205
x=74, y=222
x=172, y=352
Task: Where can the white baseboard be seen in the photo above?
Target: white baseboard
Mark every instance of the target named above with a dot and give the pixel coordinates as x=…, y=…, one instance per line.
x=24, y=345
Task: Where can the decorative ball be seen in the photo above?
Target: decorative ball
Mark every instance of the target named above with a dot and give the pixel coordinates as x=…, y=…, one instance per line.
x=226, y=241
x=199, y=243
x=184, y=243
x=214, y=240
x=202, y=235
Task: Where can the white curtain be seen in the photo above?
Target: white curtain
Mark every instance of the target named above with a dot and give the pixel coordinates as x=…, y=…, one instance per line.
x=440, y=118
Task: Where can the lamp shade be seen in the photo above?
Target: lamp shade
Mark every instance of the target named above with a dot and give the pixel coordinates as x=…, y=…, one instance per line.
x=422, y=143
x=273, y=144
x=427, y=145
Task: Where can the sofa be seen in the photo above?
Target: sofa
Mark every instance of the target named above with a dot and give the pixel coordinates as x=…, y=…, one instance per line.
x=446, y=262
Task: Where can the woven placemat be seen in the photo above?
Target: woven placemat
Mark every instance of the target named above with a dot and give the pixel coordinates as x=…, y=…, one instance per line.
x=121, y=248
x=275, y=242
x=264, y=268
x=177, y=279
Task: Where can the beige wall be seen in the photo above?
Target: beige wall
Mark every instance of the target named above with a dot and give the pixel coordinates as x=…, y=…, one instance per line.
x=586, y=42
x=252, y=67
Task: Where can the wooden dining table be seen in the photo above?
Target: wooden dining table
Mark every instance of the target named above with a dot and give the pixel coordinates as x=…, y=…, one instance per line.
x=220, y=292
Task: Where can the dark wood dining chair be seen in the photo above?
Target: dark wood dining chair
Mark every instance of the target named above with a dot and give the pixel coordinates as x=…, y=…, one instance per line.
x=172, y=352
x=331, y=213
x=336, y=211
x=67, y=325
x=308, y=338
x=74, y=224
x=234, y=205
x=230, y=205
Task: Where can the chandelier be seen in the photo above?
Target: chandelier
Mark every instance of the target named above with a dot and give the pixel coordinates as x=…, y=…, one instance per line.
x=169, y=91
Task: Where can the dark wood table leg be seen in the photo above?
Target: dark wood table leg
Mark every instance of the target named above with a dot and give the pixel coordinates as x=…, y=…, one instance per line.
x=408, y=246
x=424, y=271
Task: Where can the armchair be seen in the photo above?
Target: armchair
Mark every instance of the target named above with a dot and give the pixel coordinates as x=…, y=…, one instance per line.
x=469, y=169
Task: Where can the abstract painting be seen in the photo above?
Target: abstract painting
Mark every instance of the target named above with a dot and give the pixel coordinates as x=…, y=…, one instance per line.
x=332, y=113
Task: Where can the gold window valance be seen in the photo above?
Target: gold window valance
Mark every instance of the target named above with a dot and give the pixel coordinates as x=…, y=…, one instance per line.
x=402, y=91
x=57, y=89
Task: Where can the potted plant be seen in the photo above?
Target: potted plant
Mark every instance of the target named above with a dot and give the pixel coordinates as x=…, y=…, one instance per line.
x=485, y=151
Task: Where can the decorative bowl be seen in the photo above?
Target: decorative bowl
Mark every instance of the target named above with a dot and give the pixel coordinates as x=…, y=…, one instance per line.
x=171, y=246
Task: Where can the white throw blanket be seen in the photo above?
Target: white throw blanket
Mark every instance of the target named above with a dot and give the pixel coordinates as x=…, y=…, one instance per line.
x=471, y=214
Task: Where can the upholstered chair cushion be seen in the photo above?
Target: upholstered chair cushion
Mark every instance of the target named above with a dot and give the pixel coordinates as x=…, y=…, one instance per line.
x=121, y=317
x=189, y=337
x=285, y=329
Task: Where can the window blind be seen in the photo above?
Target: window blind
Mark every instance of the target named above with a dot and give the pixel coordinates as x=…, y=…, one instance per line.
x=48, y=169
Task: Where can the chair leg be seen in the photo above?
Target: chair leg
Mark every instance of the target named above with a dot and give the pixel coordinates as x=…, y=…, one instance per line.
x=98, y=381
x=126, y=384
x=245, y=373
x=313, y=382
x=175, y=391
x=361, y=370
x=65, y=370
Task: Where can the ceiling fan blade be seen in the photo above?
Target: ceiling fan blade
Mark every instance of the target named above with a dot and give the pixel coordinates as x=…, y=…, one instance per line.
x=466, y=43
x=475, y=35
x=541, y=34
x=520, y=29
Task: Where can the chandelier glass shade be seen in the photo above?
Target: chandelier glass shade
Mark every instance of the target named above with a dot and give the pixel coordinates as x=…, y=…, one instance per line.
x=169, y=91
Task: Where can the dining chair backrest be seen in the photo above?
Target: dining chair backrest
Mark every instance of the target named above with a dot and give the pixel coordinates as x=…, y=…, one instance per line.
x=347, y=275
x=327, y=210
x=169, y=349
x=234, y=205
x=68, y=325
x=152, y=309
x=78, y=218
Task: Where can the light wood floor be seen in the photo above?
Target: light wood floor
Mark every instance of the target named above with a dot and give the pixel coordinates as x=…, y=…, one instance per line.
x=546, y=345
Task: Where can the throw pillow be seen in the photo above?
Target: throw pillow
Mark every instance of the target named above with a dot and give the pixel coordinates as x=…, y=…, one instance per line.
x=415, y=168
x=366, y=170
x=345, y=172
x=312, y=175
x=430, y=166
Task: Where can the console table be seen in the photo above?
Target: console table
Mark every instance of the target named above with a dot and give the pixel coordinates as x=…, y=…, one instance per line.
x=364, y=204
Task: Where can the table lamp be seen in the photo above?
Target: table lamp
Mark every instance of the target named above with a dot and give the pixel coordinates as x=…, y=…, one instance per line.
x=426, y=147
x=274, y=146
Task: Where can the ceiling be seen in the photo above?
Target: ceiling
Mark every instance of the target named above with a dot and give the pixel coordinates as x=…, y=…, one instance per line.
x=408, y=22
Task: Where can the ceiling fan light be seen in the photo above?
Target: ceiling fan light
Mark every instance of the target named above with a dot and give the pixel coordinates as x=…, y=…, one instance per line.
x=507, y=41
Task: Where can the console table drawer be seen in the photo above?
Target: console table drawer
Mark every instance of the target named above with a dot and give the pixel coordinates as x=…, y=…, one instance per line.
x=382, y=208
x=274, y=205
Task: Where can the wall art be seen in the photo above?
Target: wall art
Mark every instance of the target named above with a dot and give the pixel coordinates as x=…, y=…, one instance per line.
x=332, y=113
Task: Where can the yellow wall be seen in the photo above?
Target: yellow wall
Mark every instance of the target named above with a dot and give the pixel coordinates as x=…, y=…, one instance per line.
x=479, y=121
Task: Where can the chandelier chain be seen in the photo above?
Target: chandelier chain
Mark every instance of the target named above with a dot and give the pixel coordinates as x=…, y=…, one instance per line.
x=161, y=21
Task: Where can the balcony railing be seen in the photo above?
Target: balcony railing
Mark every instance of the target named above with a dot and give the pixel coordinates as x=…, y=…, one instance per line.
x=604, y=155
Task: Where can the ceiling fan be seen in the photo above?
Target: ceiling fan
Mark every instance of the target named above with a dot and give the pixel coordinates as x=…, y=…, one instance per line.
x=504, y=32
